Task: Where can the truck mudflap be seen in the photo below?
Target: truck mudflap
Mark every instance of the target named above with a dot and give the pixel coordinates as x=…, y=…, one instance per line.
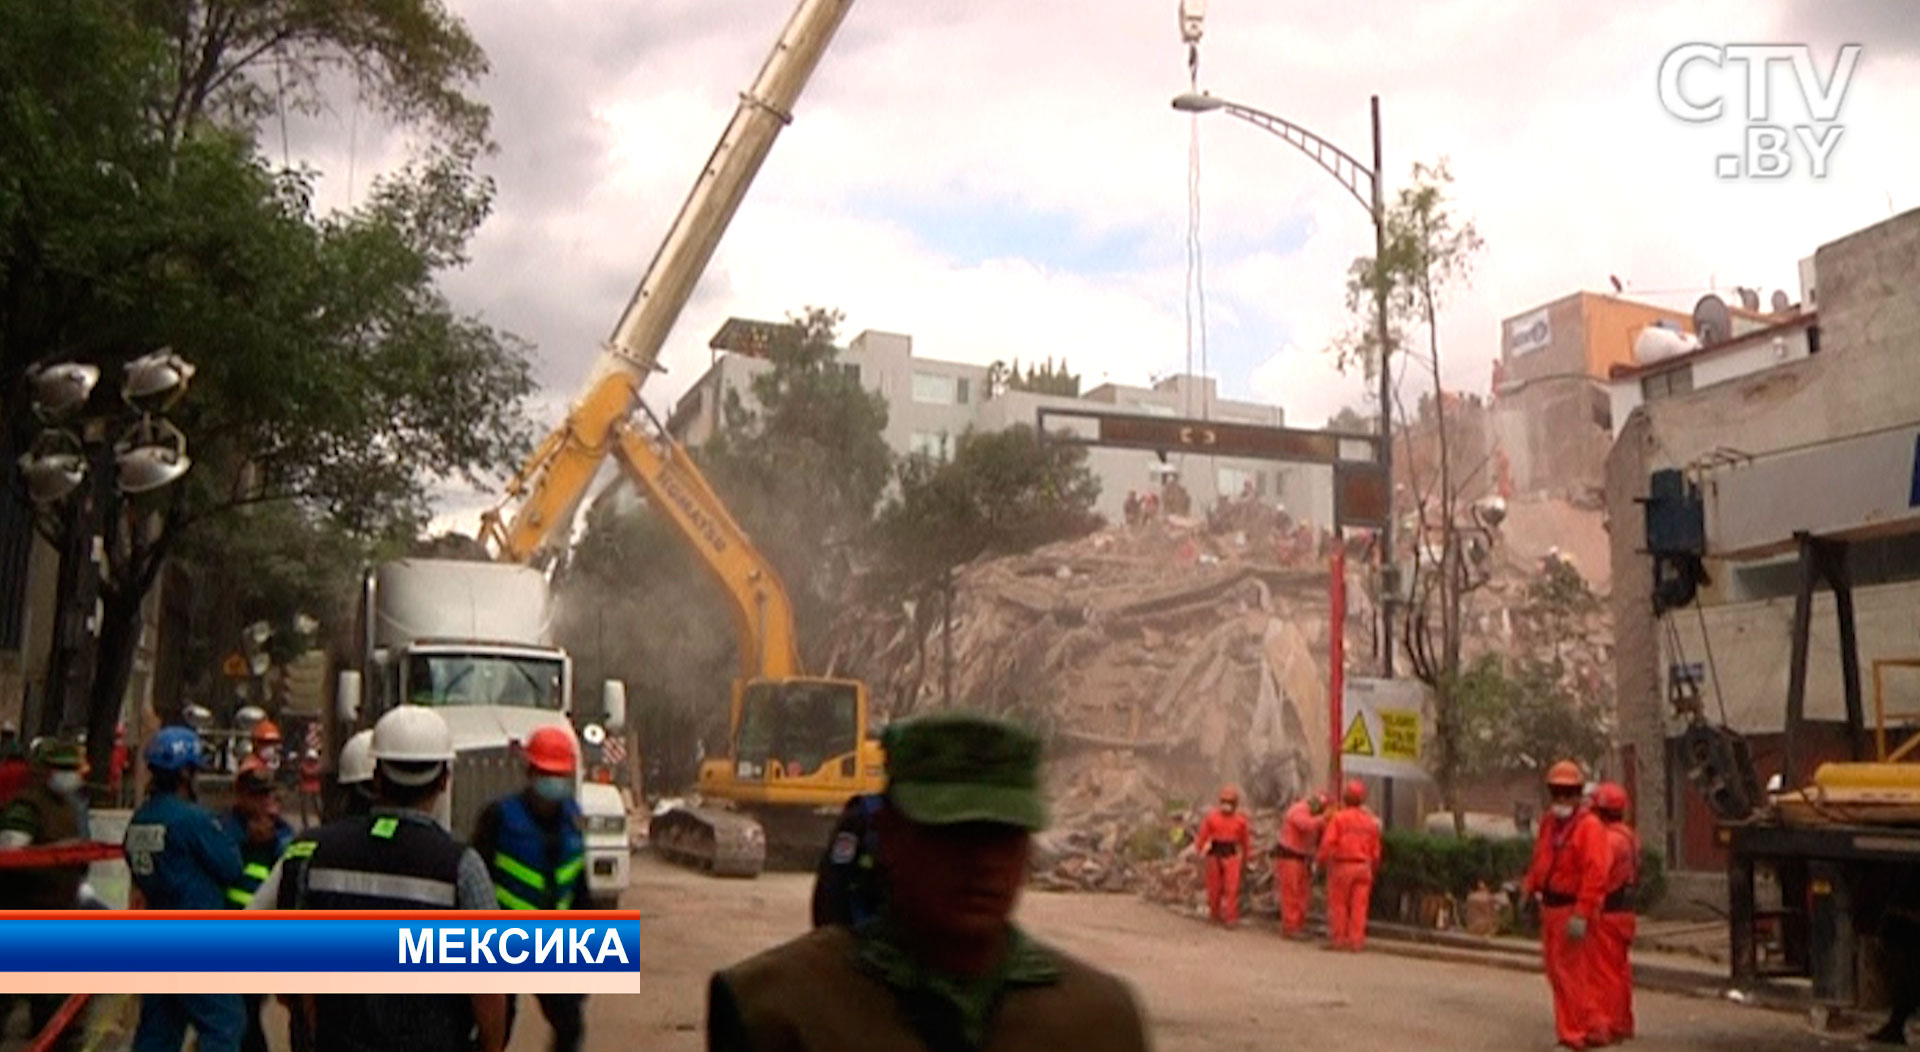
x=721, y=842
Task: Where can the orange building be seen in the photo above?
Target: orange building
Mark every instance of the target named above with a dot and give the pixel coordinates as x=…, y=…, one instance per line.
x=1552, y=419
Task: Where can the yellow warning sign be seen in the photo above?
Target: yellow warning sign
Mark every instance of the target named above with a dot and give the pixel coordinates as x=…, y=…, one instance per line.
x=1358, y=741
x=1400, y=735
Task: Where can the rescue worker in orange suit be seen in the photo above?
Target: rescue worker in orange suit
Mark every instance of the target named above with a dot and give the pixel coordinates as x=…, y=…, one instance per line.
x=1568, y=876
x=1612, y=934
x=1350, y=856
x=1300, y=831
x=1225, y=842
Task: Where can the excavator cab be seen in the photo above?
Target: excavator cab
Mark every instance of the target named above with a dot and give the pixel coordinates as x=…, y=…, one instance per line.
x=798, y=742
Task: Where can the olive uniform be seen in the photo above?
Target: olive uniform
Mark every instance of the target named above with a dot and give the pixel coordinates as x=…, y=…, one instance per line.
x=841, y=987
x=832, y=989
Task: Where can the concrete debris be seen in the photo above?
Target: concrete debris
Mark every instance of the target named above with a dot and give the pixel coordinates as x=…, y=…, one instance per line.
x=1162, y=660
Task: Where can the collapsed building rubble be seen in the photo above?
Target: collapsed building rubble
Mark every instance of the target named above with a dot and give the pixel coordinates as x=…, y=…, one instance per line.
x=1161, y=660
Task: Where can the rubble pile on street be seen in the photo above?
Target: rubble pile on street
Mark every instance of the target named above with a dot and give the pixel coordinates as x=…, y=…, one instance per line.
x=1161, y=660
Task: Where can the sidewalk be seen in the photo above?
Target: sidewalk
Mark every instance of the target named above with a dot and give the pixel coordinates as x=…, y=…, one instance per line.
x=1654, y=967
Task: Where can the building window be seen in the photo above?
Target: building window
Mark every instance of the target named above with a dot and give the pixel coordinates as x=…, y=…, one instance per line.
x=1667, y=384
x=851, y=370
x=929, y=444
x=934, y=389
x=960, y=390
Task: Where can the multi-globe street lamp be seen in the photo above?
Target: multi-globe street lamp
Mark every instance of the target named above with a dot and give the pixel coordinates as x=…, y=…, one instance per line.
x=89, y=450
x=1351, y=174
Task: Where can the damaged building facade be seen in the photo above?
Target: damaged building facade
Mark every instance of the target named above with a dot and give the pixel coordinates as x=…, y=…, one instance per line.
x=1842, y=362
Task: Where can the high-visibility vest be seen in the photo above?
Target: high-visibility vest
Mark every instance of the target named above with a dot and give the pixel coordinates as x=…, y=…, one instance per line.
x=525, y=877
x=256, y=859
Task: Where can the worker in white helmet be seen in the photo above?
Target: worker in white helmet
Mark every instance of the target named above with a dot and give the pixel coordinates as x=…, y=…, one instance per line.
x=395, y=857
x=355, y=777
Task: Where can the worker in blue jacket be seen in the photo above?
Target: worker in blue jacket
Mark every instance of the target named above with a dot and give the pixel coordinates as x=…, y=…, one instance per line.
x=181, y=860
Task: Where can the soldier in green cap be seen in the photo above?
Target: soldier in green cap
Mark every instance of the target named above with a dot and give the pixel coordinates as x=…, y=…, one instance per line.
x=942, y=968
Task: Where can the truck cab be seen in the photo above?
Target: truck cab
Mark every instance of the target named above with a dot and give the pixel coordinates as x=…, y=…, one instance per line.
x=472, y=641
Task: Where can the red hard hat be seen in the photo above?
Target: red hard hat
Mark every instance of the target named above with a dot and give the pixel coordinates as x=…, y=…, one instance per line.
x=1356, y=792
x=265, y=731
x=1610, y=797
x=1566, y=774
x=550, y=751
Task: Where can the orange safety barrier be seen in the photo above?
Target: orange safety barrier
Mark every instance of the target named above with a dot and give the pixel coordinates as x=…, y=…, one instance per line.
x=60, y=855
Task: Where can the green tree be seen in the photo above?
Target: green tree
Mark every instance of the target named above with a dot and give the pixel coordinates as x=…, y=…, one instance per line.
x=802, y=465
x=1042, y=379
x=1002, y=491
x=1523, y=710
x=333, y=375
x=1429, y=251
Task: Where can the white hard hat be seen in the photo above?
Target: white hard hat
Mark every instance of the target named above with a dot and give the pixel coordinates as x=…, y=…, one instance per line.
x=356, y=759
x=412, y=734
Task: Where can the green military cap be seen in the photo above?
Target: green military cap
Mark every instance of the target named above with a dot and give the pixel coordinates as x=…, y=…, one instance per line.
x=958, y=767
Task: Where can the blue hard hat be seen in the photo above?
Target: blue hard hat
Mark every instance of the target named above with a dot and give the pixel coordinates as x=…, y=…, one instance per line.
x=174, y=749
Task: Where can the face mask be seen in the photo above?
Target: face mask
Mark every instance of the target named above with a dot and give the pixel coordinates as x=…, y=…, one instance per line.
x=1563, y=810
x=553, y=790
x=66, y=783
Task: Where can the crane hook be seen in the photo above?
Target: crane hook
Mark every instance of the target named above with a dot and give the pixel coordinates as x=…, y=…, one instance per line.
x=1193, y=16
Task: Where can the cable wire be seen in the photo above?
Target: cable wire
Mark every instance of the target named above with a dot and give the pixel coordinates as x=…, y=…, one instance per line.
x=1196, y=295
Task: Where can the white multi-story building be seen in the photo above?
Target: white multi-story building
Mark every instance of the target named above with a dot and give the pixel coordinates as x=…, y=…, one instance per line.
x=930, y=404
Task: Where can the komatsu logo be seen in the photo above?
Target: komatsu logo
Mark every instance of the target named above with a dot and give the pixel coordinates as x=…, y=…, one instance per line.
x=570, y=946
x=700, y=519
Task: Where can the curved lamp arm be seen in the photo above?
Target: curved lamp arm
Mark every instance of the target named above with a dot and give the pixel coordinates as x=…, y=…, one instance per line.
x=1338, y=163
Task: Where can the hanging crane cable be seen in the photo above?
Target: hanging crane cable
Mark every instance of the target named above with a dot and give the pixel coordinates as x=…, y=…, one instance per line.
x=1192, y=26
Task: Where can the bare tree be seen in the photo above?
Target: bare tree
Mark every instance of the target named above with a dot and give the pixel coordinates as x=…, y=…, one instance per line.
x=1429, y=252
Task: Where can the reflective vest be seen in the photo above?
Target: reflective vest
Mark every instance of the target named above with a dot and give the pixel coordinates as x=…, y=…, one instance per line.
x=526, y=875
x=256, y=859
x=387, y=860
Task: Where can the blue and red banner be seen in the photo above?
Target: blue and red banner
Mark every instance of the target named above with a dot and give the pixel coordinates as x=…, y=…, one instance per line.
x=451, y=951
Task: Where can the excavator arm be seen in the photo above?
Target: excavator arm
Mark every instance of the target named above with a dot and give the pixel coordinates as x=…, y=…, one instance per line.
x=549, y=487
x=762, y=611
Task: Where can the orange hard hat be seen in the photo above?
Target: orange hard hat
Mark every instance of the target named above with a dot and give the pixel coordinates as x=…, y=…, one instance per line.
x=266, y=731
x=1356, y=792
x=550, y=751
x=254, y=776
x=1566, y=775
x=1610, y=797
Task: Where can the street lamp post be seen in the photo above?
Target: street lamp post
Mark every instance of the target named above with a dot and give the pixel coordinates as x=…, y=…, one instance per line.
x=72, y=473
x=1350, y=173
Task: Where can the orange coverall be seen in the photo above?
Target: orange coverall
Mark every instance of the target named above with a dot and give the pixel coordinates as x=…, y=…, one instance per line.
x=1569, y=871
x=1612, y=934
x=1300, y=833
x=1350, y=854
x=1234, y=836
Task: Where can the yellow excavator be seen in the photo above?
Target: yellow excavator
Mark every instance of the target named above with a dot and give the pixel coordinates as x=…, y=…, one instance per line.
x=798, y=746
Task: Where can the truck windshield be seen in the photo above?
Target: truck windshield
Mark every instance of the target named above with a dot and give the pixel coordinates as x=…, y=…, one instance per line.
x=483, y=679
x=798, y=725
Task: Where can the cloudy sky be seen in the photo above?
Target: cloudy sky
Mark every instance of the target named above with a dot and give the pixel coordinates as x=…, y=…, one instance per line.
x=1000, y=178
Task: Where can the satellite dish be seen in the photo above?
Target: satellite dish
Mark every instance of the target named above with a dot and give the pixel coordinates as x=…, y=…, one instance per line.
x=1749, y=298
x=1712, y=322
x=1780, y=301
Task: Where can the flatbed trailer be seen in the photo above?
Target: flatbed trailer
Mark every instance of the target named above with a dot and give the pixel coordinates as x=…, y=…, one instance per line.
x=1834, y=882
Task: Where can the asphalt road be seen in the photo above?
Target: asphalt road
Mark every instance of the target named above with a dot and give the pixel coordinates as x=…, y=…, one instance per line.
x=1204, y=990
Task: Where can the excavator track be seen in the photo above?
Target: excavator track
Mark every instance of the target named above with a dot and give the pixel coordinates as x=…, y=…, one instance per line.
x=723, y=843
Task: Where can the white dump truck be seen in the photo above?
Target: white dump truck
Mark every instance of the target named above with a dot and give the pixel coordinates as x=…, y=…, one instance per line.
x=474, y=641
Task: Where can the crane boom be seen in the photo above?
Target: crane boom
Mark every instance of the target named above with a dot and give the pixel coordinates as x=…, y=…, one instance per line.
x=556, y=477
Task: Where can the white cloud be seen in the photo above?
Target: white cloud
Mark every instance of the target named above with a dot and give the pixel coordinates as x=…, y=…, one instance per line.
x=1017, y=111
